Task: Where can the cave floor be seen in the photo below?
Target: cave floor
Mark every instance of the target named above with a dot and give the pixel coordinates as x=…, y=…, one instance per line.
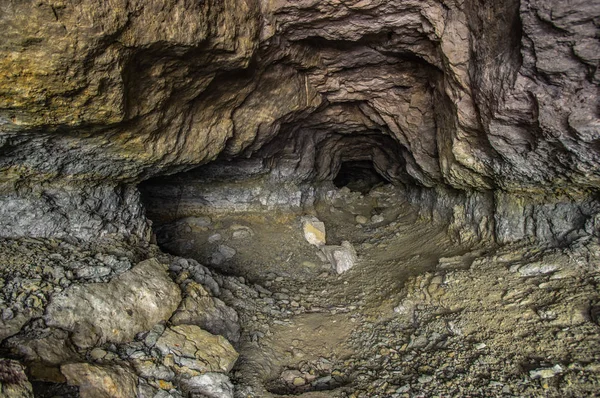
x=418, y=315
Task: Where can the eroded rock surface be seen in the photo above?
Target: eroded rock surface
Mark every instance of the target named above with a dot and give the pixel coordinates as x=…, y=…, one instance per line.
x=478, y=122
x=116, y=311
x=100, y=381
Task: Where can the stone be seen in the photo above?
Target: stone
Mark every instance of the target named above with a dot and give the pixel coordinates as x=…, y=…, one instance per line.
x=241, y=232
x=118, y=310
x=538, y=268
x=92, y=272
x=361, y=219
x=211, y=385
x=314, y=231
x=194, y=351
x=215, y=238
x=377, y=218
x=342, y=257
x=97, y=354
x=13, y=381
x=545, y=373
x=96, y=381
x=227, y=252
x=209, y=313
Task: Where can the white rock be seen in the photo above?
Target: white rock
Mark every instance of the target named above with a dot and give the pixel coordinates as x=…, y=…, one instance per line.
x=361, y=219
x=377, y=218
x=215, y=238
x=342, y=258
x=314, y=231
x=546, y=373
x=538, y=268
x=211, y=385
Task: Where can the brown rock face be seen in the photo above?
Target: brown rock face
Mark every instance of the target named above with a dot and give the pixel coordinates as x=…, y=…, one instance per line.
x=101, y=381
x=476, y=95
x=468, y=95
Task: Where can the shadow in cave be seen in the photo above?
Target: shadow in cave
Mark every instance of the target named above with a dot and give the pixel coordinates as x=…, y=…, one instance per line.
x=359, y=176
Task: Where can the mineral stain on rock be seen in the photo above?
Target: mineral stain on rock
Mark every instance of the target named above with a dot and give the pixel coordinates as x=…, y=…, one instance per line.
x=334, y=198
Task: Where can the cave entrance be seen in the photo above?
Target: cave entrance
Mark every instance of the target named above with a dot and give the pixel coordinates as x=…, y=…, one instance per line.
x=359, y=176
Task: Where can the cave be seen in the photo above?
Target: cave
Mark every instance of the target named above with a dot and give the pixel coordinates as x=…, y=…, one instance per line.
x=316, y=199
x=360, y=176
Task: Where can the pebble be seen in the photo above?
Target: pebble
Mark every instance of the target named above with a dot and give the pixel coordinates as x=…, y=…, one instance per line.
x=545, y=373
x=377, y=218
x=361, y=219
x=215, y=238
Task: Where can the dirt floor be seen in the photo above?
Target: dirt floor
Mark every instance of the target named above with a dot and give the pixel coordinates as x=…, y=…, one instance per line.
x=418, y=315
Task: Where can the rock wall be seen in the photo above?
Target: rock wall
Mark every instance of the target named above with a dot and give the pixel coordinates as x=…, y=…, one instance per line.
x=475, y=96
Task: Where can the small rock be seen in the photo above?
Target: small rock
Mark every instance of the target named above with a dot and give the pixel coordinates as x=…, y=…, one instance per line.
x=377, y=218
x=299, y=381
x=403, y=389
x=342, y=258
x=227, y=252
x=545, y=373
x=97, y=354
x=538, y=268
x=425, y=379
x=92, y=272
x=193, y=350
x=241, y=234
x=361, y=219
x=480, y=346
x=215, y=238
x=314, y=231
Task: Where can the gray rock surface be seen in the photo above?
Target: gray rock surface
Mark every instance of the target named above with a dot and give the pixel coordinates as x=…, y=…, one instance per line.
x=342, y=257
x=115, y=311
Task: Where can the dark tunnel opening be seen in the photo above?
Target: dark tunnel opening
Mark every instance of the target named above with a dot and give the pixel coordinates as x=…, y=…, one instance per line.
x=359, y=176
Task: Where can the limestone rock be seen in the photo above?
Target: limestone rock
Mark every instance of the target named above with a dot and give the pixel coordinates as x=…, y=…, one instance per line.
x=101, y=381
x=314, y=231
x=342, y=257
x=211, y=385
x=199, y=308
x=192, y=351
x=115, y=311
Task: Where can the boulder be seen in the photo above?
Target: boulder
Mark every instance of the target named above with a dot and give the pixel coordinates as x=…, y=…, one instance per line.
x=118, y=310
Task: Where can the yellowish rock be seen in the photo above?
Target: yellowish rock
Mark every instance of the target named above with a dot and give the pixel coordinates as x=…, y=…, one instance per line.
x=101, y=381
x=191, y=350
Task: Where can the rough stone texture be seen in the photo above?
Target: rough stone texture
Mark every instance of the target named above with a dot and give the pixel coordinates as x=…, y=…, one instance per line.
x=342, y=257
x=209, y=313
x=211, y=385
x=13, y=381
x=60, y=212
x=192, y=351
x=470, y=95
x=314, y=231
x=115, y=311
x=101, y=381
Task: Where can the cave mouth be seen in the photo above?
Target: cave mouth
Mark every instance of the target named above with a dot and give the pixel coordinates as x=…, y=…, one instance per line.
x=359, y=176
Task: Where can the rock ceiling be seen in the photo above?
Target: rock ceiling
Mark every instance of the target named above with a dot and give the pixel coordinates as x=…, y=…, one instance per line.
x=470, y=94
